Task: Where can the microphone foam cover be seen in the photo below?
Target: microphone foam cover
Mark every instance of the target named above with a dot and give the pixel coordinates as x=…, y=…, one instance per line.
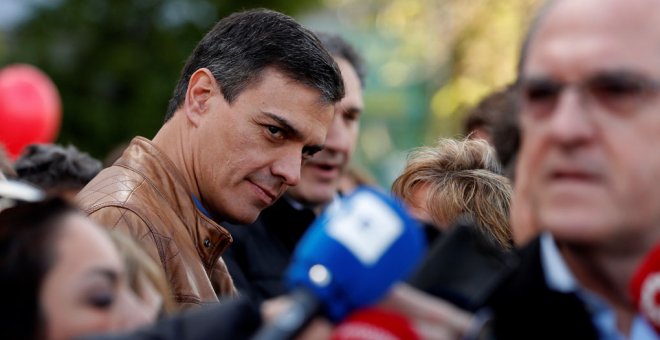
x=374, y=324
x=350, y=256
x=645, y=288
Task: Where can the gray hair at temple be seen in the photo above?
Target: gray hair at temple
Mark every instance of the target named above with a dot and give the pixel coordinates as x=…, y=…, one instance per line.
x=531, y=32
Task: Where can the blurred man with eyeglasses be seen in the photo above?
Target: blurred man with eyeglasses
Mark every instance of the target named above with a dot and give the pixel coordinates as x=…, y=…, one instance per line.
x=590, y=122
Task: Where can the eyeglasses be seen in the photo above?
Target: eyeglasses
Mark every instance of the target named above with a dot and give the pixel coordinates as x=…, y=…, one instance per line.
x=616, y=92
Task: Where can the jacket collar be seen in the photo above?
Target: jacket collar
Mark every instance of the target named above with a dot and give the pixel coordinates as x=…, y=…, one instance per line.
x=144, y=157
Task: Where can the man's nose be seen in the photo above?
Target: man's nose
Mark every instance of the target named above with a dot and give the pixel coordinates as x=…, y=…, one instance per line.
x=571, y=121
x=337, y=139
x=287, y=166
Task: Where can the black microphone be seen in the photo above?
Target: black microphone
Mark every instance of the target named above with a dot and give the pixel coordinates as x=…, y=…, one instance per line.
x=464, y=265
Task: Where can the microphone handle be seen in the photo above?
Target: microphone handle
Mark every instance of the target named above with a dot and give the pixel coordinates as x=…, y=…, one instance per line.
x=304, y=306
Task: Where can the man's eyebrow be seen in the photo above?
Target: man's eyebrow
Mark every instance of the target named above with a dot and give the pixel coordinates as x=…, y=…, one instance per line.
x=620, y=72
x=352, y=110
x=285, y=125
x=535, y=78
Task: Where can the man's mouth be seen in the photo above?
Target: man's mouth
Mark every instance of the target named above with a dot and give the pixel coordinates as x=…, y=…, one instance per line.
x=326, y=167
x=577, y=175
x=572, y=175
x=326, y=170
x=267, y=195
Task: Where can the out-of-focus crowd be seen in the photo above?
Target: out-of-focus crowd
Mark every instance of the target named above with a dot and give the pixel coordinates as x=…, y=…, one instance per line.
x=543, y=222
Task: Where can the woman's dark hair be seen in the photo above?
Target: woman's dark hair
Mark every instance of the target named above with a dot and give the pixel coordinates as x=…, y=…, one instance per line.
x=27, y=232
x=55, y=168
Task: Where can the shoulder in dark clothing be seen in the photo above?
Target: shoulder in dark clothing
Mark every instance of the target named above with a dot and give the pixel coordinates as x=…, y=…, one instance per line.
x=523, y=307
x=261, y=252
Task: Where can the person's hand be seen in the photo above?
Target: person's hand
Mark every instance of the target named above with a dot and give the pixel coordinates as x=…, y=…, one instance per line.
x=319, y=328
x=432, y=318
x=271, y=308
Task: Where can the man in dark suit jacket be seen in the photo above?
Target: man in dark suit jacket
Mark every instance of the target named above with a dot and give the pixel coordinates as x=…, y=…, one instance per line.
x=589, y=82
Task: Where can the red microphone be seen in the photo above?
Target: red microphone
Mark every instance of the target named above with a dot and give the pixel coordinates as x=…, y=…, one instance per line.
x=375, y=324
x=645, y=288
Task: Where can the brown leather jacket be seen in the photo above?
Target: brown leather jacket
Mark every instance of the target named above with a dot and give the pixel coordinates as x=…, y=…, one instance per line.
x=144, y=194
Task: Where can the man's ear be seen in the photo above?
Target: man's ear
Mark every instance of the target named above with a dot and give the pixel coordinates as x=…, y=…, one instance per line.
x=201, y=88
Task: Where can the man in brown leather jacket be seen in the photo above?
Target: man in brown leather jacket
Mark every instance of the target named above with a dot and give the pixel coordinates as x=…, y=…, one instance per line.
x=255, y=99
x=261, y=251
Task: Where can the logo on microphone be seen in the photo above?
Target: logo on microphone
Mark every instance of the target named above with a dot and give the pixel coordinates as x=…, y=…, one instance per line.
x=650, y=298
x=367, y=228
x=645, y=288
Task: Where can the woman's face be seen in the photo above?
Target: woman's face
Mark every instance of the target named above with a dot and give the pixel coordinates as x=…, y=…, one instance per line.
x=150, y=298
x=86, y=289
x=417, y=207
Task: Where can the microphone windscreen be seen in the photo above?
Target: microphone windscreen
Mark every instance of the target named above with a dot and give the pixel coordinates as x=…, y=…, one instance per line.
x=645, y=288
x=351, y=255
x=463, y=266
x=375, y=324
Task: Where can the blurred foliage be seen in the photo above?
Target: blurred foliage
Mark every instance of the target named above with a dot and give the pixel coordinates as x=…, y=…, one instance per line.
x=429, y=61
x=116, y=62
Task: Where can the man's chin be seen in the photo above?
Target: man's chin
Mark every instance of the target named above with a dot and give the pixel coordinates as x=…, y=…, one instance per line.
x=314, y=199
x=573, y=225
x=322, y=193
x=242, y=217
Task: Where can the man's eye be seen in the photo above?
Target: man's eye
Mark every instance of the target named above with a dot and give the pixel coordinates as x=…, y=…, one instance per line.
x=616, y=88
x=351, y=117
x=541, y=92
x=275, y=131
x=308, y=154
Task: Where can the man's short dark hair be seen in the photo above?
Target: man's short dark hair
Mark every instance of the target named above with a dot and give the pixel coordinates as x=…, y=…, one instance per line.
x=340, y=48
x=498, y=113
x=53, y=167
x=506, y=130
x=242, y=45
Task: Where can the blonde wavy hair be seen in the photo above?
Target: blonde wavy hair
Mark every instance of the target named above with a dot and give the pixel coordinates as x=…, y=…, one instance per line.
x=461, y=176
x=140, y=266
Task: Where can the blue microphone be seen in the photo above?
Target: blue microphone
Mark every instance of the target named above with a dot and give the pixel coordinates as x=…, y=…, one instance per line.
x=348, y=259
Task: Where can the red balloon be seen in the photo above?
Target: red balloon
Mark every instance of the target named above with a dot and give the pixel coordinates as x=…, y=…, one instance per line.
x=30, y=108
